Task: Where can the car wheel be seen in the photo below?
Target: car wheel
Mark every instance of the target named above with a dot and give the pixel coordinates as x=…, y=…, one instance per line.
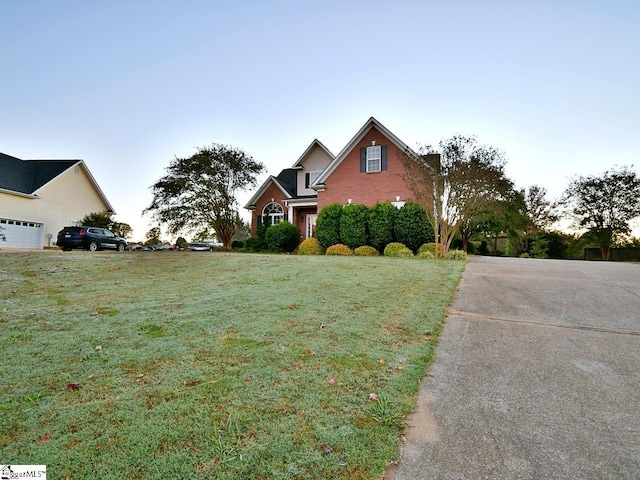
x=93, y=246
x=120, y=247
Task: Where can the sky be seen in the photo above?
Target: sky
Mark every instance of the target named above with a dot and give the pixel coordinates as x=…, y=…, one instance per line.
x=127, y=86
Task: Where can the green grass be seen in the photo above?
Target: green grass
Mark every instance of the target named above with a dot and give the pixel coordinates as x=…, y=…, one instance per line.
x=213, y=365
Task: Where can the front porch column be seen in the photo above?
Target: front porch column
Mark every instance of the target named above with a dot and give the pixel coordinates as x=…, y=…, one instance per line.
x=290, y=213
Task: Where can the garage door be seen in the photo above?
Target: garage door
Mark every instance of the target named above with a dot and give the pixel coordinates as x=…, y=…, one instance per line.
x=19, y=234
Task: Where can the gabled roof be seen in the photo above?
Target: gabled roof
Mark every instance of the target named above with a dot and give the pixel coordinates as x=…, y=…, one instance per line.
x=316, y=142
x=372, y=122
x=285, y=181
x=26, y=177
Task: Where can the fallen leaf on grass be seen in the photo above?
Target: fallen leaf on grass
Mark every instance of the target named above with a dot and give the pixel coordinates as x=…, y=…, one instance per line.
x=326, y=448
x=45, y=437
x=373, y=397
x=73, y=386
x=98, y=347
x=311, y=352
x=332, y=381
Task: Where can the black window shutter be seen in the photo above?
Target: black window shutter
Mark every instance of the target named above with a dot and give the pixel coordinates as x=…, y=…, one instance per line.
x=363, y=159
x=306, y=180
x=383, y=157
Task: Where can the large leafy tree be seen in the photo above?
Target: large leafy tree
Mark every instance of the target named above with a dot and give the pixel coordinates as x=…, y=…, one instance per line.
x=604, y=205
x=105, y=220
x=456, y=184
x=200, y=192
x=540, y=211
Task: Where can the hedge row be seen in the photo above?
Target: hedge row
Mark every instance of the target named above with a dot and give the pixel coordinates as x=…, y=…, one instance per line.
x=357, y=225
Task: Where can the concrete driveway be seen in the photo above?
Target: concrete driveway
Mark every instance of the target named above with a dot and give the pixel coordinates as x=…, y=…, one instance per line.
x=537, y=376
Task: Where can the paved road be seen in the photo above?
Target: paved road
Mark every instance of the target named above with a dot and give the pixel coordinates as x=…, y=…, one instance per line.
x=537, y=376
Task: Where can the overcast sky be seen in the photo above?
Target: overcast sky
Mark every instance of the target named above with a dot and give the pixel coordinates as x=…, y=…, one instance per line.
x=128, y=85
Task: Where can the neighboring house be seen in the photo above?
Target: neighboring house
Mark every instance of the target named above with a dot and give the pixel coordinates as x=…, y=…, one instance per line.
x=40, y=197
x=367, y=170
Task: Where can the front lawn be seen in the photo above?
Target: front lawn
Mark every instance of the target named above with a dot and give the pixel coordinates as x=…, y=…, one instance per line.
x=170, y=365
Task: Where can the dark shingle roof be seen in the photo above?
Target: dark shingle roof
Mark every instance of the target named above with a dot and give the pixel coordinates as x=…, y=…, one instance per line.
x=288, y=178
x=27, y=176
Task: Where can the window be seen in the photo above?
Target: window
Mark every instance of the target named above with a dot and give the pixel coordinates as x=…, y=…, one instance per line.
x=311, y=177
x=373, y=158
x=274, y=211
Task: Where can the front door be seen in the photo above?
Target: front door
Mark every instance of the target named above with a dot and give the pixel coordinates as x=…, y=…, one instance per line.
x=311, y=225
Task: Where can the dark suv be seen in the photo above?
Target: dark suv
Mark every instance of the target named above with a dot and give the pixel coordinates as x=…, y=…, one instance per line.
x=89, y=238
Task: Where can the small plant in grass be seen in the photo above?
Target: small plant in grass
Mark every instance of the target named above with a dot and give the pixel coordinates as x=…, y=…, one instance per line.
x=396, y=249
x=339, y=249
x=366, y=251
x=310, y=246
x=456, y=255
x=386, y=412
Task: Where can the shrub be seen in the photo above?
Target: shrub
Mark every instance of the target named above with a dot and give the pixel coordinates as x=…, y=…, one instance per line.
x=425, y=255
x=455, y=255
x=237, y=245
x=382, y=218
x=429, y=247
x=412, y=226
x=396, y=249
x=310, y=246
x=353, y=225
x=339, y=249
x=328, y=225
x=282, y=237
x=255, y=244
x=366, y=251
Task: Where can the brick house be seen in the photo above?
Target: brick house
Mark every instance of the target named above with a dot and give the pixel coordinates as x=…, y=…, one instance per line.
x=367, y=170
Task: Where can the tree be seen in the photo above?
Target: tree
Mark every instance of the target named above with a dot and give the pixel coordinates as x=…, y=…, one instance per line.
x=456, y=184
x=604, y=205
x=153, y=236
x=540, y=211
x=123, y=230
x=98, y=219
x=200, y=192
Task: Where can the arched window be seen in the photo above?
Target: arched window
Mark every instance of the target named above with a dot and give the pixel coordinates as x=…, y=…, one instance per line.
x=274, y=211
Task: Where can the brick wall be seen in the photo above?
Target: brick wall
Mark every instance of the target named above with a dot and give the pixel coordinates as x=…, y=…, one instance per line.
x=272, y=192
x=347, y=182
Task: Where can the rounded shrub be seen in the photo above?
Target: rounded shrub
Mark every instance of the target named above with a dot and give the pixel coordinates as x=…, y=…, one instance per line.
x=412, y=226
x=455, y=255
x=310, y=246
x=237, y=245
x=328, y=225
x=425, y=255
x=282, y=237
x=353, y=225
x=366, y=251
x=339, y=249
x=428, y=247
x=382, y=218
x=397, y=249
